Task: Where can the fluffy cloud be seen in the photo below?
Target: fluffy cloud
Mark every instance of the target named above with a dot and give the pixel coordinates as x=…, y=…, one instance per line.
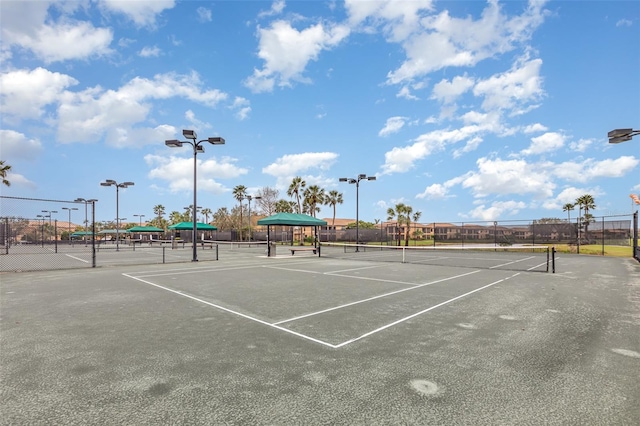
x=286, y=52
x=393, y=125
x=547, y=142
x=178, y=172
x=291, y=165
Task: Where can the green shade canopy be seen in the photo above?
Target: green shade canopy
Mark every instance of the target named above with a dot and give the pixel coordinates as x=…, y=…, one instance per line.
x=145, y=229
x=292, y=219
x=185, y=226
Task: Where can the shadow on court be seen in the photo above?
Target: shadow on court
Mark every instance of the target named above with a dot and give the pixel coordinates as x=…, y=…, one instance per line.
x=307, y=340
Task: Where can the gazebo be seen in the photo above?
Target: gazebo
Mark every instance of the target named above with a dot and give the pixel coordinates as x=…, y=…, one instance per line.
x=291, y=219
x=188, y=226
x=145, y=230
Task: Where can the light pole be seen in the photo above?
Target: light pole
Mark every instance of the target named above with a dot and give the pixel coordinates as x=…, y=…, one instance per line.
x=111, y=182
x=140, y=216
x=49, y=216
x=357, y=182
x=41, y=229
x=69, y=231
x=86, y=220
x=197, y=147
x=251, y=197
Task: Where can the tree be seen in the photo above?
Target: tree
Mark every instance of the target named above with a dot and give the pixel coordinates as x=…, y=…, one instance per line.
x=206, y=212
x=159, y=221
x=268, y=200
x=332, y=200
x=295, y=189
x=416, y=217
x=240, y=193
x=567, y=208
x=222, y=219
x=397, y=213
x=285, y=206
x=313, y=196
x=175, y=217
x=587, y=203
x=3, y=173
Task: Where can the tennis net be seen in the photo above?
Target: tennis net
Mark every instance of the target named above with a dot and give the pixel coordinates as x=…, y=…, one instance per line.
x=239, y=246
x=516, y=258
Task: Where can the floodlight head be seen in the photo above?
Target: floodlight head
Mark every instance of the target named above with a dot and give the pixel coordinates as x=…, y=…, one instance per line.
x=93, y=200
x=353, y=180
x=362, y=176
x=80, y=200
x=343, y=180
x=616, y=133
x=216, y=140
x=371, y=178
x=189, y=134
x=173, y=143
x=125, y=184
x=620, y=139
x=200, y=148
x=257, y=197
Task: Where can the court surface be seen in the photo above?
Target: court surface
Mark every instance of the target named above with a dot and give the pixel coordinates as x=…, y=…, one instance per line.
x=305, y=340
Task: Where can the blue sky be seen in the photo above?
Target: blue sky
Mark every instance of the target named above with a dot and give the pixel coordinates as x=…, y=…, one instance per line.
x=463, y=110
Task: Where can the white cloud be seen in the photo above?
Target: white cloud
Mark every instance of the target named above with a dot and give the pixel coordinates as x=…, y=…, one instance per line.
x=434, y=191
x=497, y=210
x=287, y=51
x=178, y=172
x=293, y=164
x=276, y=8
x=393, y=125
x=15, y=145
x=590, y=169
x=518, y=86
x=204, y=14
x=550, y=141
x=150, y=51
x=581, y=145
x=535, y=128
x=502, y=177
x=624, y=23
x=402, y=159
x=443, y=41
x=142, y=12
x=25, y=93
x=87, y=115
x=447, y=91
x=242, y=107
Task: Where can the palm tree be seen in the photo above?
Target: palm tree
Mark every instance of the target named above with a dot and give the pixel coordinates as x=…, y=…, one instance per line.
x=398, y=214
x=332, y=200
x=295, y=189
x=313, y=196
x=416, y=218
x=206, y=212
x=567, y=208
x=407, y=217
x=3, y=173
x=159, y=210
x=586, y=202
x=240, y=193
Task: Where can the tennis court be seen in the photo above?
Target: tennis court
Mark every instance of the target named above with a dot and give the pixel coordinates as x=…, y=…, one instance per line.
x=251, y=339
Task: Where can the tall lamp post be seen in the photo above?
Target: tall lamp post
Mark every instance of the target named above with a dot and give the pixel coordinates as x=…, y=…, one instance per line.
x=86, y=220
x=69, y=231
x=41, y=228
x=111, y=182
x=140, y=216
x=251, y=197
x=357, y=183
x=197, y=147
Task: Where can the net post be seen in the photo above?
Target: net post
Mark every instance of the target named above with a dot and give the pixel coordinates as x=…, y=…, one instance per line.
x=163, y=258
x=553, y=260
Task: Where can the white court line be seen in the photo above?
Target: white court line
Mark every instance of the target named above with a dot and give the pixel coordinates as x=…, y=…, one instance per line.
x=184, y=272
x=232, y=311
x=77, y=258
x=373, y=298
x=515, y=261
x=421, y=312
x=354, y=269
